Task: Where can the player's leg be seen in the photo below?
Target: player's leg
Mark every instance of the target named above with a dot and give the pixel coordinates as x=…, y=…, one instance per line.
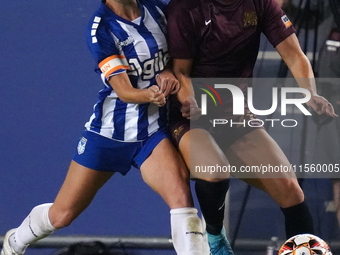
x=77, y=192
x=164, y=171
x=198, y=148
x=336, y=197
x=79, y=188
x=257, y=148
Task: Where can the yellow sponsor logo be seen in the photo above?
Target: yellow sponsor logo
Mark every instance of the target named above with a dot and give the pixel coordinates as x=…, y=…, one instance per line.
x=250, y=19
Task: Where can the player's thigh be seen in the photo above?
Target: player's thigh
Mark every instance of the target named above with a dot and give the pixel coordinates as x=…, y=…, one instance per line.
x=258, y=149
x=78, y=190
x=165, y=172
x=201, y=152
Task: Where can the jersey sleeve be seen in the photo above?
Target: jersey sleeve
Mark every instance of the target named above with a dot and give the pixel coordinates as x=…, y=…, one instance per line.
x=109, y=59
x=181, y=35
x=275, y=24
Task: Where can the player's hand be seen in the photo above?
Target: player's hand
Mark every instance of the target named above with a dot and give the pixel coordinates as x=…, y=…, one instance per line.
x=167, y=83
x=190, y=109
x=321, y=106
x=156, y=96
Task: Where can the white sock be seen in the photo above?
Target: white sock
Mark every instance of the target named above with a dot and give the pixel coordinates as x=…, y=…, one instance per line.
x=186, y=231
x=36, y=226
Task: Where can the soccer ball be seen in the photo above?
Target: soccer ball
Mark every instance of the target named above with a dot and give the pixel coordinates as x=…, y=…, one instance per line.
x=305, y=244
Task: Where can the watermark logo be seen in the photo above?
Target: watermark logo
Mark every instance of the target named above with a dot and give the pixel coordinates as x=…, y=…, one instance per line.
x=229, y=101
x=204, y=97
x=238, y=100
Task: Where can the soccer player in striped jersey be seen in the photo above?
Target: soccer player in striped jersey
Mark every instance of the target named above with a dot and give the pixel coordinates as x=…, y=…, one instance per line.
x=127, y=128
x=221, y=38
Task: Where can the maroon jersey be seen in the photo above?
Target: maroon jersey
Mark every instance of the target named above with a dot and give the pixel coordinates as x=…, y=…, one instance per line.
x=223, y=36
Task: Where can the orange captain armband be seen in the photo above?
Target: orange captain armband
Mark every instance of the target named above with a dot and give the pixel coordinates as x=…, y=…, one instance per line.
x=112, y=64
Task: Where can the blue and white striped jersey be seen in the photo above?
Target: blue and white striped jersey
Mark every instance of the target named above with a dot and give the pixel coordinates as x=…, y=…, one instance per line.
x=139, y=48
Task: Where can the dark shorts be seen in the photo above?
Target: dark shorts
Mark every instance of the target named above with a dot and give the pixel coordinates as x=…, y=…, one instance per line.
x=225, y=135
x=103, y=154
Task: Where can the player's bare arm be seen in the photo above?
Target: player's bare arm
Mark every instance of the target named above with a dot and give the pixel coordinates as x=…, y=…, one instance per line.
x=167, y=82
x=186, y=95
x=128, y=94
x=301, y=69
x=182, y=69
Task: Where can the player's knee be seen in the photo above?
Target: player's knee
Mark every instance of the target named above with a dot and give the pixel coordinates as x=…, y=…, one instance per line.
x=295, y=191
x=295, y=196
x=292, y=193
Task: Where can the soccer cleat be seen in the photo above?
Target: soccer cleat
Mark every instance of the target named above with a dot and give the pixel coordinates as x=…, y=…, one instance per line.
x=6, y=247
x=219, y=244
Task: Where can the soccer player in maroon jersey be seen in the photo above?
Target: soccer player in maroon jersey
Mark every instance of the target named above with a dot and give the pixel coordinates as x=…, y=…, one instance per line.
x=221, y=38
x=119, y=31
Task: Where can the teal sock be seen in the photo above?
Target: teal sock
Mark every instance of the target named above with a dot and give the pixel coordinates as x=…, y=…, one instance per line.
x=215, y=242
x=216, y=238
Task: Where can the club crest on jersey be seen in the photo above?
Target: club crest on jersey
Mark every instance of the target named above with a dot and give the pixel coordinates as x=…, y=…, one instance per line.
x=81, y=145
x=286, y=21
x=250, y=19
